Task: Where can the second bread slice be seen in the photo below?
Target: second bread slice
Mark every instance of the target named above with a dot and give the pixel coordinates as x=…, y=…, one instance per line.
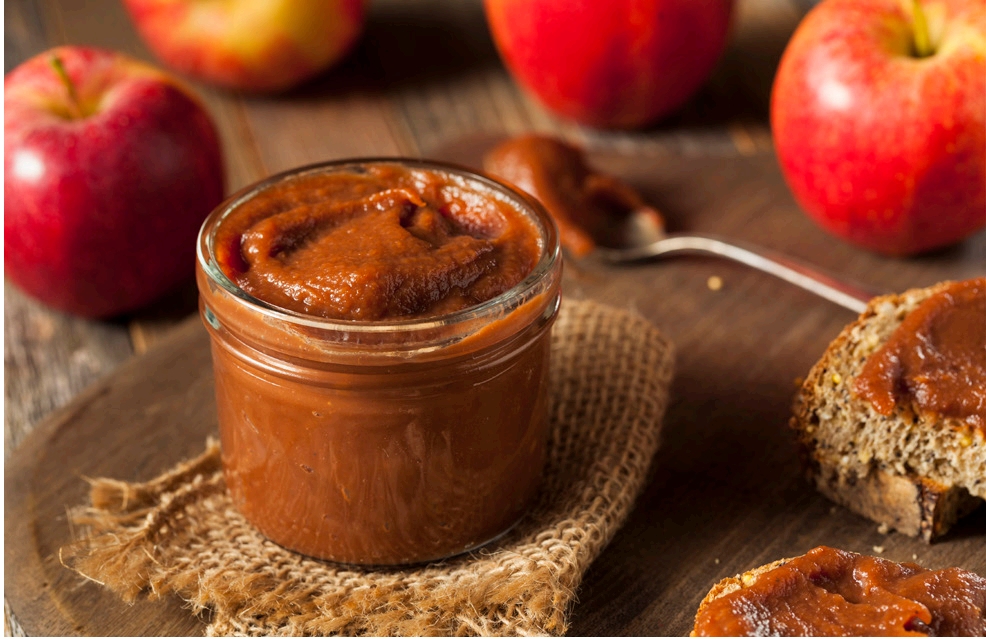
x=915, y=473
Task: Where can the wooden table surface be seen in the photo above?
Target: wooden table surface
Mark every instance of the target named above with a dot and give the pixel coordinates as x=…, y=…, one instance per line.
x=425, y=74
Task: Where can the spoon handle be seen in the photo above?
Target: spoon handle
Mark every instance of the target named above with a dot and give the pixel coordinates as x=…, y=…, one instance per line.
x=783, y=267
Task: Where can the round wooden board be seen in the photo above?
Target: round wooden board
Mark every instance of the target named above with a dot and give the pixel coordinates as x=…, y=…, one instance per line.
x=152, y=412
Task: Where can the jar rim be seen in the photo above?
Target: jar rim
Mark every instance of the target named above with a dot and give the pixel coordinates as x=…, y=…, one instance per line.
x=550, y=254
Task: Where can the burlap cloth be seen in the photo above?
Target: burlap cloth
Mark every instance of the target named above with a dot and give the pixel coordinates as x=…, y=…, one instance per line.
x=179, y=533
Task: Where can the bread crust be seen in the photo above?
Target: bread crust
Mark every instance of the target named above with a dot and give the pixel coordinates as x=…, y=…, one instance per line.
x=914, y=474
x=912, y=505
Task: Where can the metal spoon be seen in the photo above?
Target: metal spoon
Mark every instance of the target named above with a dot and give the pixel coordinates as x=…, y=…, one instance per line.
x=642, y=238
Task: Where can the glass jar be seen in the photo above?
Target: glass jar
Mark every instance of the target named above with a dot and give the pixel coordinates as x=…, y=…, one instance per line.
x=383, y=443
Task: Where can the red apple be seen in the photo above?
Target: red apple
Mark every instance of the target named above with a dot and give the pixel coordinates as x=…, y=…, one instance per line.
x=254, y=45
x=110, y=167
x=610, y=63
x=880, y=144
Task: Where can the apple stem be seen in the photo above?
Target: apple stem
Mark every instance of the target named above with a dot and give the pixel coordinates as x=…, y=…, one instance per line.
x=922, y=39
x=75, y=107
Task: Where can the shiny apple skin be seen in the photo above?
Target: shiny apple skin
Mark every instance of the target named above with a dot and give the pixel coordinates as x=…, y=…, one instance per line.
x=250, y=45
x=102, y=212
x=610, y=63
x=882, y=149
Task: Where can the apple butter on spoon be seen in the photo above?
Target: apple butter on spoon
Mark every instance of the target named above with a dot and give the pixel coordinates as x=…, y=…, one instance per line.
x=600, y=215
x=583, y=203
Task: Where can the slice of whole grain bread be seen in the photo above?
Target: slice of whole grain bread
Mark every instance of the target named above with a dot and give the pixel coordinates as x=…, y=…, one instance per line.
x=915, y=473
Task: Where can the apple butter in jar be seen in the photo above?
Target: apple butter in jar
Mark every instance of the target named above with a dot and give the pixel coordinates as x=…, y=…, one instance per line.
x=381, y=340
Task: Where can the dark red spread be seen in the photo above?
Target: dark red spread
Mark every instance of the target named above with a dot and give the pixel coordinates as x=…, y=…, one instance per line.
x=935, y=359
x=829, y=592
x=389, y=242
x=583, y=202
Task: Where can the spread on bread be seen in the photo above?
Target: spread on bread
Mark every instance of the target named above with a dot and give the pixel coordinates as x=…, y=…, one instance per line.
x=936, y=358
x=831, y=592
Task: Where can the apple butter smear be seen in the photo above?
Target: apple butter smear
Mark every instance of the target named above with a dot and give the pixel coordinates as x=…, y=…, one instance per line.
x=935, y=358
x=384, y=243
x=830, y=592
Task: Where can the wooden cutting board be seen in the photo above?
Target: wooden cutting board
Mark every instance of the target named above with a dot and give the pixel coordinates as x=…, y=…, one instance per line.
x=726, y=493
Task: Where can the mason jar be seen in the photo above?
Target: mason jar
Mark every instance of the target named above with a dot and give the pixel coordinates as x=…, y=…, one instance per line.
x=382, y=442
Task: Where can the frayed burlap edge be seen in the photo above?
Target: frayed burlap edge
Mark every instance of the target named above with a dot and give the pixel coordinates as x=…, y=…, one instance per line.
x=179, y=533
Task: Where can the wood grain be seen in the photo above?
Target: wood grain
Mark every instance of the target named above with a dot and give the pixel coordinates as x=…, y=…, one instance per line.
x=38, y=342
x=726, y=492
x=150, y=410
